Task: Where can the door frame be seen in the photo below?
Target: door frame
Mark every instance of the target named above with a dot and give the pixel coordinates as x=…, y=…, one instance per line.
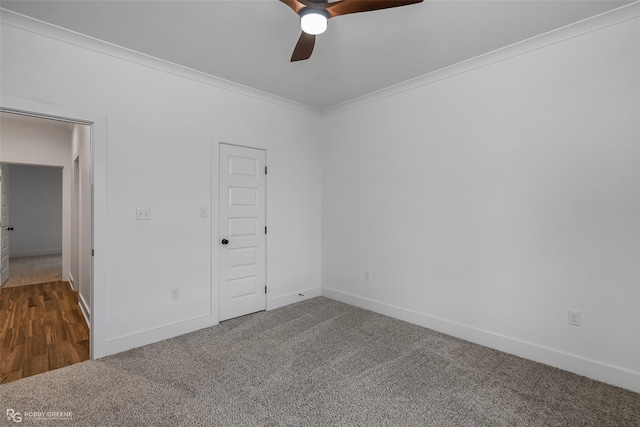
x=4, y=189
x=98, y=182
x=216, y=241
x=74, y=268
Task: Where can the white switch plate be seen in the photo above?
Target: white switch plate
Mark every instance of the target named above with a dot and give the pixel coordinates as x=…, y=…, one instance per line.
x=204, y=212
x=175, y=294
x=143, y=214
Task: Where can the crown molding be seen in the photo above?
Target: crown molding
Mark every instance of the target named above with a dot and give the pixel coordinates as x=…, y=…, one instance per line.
x=585, y=26
x=26, y=23
x=597, y=22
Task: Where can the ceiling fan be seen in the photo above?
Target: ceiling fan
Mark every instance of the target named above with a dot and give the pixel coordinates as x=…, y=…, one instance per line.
x=314, y=15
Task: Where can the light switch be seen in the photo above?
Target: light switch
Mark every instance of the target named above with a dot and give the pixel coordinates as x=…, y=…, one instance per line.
x=143, y=214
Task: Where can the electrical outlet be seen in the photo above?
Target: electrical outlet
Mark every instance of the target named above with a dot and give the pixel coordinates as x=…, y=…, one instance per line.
x=574, y=318
x=175, y=293
x=143, y=214
x=367, y=278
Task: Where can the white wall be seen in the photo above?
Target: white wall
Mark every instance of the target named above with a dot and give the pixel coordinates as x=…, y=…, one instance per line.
x=161, y=153
x=24, y=140
x=35, y=210
x=489, y=201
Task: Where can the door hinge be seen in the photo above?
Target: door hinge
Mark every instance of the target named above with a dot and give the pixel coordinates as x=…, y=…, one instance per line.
x=92, y=252
x=265, y=170
x=265, y=289
x=265, y=229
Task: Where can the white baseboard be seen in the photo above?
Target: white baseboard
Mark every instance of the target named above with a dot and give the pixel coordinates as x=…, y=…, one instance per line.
x=85, y=308
x=150, y=336
x=282, y=300
x=126, y=342
x=36, y=253
x=599, y=371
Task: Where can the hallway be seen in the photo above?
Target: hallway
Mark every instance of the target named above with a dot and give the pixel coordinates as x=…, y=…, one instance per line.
x=34, y=269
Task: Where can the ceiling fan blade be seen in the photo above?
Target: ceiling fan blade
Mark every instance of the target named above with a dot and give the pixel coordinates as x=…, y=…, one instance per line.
x=345, y=7
x=304, y=47
x=295, y=5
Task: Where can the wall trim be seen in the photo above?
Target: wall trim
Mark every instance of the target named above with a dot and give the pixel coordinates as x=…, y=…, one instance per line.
x=85, y=309
x=43, y=252
x=64, y=35
x=594, y=23
x=569, y=362
x=156, y=334
x=293, y=297
x=164, y=332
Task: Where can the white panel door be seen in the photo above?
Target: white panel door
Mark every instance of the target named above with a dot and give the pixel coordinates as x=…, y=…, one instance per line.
x=242, y=231
x=4, y=223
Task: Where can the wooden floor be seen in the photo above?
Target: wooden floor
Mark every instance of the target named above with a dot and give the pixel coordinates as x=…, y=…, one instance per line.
x=41, y=328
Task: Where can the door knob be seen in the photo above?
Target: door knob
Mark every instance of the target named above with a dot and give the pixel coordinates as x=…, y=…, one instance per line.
x=10, y=228
x=225, y=242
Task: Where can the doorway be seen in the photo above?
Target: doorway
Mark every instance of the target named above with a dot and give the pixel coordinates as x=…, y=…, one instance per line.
x=61, y=335
x=32, y=223
x=242, y=231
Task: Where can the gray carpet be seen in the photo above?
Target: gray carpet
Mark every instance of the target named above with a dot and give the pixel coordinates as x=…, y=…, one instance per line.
x=318, y=363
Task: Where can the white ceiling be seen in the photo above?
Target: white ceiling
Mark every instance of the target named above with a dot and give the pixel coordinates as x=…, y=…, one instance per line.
x=250, y=42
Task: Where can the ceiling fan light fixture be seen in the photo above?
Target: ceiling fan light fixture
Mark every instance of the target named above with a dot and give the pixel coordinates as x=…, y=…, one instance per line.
x=314, y=15
x=314, y=22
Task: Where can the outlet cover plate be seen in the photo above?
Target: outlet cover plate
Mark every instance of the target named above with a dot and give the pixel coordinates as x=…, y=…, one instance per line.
x=575, y=318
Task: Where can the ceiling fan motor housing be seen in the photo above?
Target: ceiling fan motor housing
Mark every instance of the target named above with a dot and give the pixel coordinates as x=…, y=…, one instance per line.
x=319, y=11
